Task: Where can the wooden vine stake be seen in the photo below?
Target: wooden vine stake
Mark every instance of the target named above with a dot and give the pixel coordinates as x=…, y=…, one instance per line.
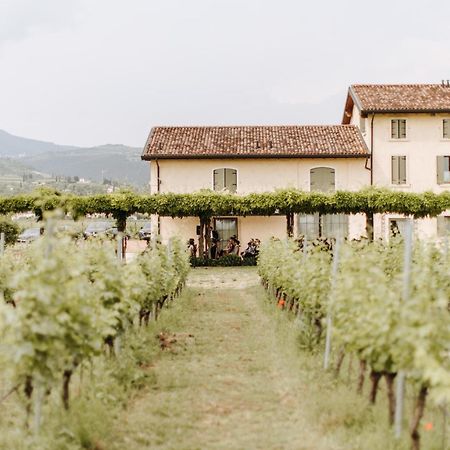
x=326, y=358
x=405, y=296
x=2, y=243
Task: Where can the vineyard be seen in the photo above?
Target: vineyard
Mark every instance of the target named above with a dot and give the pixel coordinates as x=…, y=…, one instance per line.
x=94, y=349
x=354, y=294
x=74, y=310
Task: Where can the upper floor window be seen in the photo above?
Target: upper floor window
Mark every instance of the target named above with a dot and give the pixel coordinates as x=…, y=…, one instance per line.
x=225, y=178
x=443, y=169
x=322, y=179
x=398, y=128
x=446, y=128
x=398, y=164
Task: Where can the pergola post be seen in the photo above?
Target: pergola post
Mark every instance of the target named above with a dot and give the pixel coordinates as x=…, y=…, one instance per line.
x=369, y=226
x=290, y=224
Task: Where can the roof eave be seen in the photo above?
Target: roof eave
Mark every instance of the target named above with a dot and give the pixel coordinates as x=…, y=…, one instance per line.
x=147, y=157
x=405, y=111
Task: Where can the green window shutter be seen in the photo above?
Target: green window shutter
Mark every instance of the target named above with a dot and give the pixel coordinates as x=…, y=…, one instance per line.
x=440, y=160
x=402, y=129
x=395, y=170
x=402, y=171
x=322, y=179
x=231, y=180
x=446, y=128
x=219, y=179
x=312, y=181
x=394, y=129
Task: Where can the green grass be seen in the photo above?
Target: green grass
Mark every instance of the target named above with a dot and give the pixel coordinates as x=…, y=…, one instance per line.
x=232, y=375
x=242, y=382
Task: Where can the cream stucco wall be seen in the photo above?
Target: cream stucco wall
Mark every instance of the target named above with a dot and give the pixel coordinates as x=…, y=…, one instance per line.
x=257, y=175
x=254, y=175
x=423, y=143
x=262, y=228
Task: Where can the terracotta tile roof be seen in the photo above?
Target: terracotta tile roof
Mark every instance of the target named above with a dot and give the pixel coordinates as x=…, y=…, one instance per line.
x=255, y=142
x=401, y=97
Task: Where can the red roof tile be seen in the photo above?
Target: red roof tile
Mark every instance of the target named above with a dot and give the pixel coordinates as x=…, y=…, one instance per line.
x=255, y=142
x=371, y=98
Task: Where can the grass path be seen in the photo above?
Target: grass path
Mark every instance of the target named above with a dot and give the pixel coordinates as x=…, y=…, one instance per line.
x=227, y=387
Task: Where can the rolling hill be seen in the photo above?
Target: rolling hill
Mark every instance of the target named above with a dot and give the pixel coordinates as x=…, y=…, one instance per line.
x=115, y=162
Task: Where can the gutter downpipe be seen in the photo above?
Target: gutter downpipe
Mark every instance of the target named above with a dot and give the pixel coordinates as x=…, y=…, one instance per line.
x=371, y=150
x=370, y=218
x=158, y=183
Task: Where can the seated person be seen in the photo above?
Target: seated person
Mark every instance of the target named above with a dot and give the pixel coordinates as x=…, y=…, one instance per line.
x=250, y=251
x=231, y=246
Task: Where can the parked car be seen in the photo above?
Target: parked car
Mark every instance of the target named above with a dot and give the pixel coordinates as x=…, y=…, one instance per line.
x=30, y=234
x=146, y=231
x=100, y=229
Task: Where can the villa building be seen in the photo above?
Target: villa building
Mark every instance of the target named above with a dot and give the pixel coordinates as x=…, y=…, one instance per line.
x=395, y=136
x=258, y=159
x=407, y=130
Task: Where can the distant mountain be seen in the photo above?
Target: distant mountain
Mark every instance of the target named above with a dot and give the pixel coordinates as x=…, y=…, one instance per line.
x=113, y=162
x=15, y=146
x=10, y=166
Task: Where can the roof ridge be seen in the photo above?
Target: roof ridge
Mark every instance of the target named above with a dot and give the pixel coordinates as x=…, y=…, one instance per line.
x=255, y=126
x=397, y=84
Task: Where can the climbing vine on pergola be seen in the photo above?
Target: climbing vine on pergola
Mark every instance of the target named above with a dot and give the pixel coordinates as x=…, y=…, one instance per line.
x=207, y=204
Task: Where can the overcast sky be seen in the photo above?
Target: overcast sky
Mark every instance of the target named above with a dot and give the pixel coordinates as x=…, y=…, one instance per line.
x=88, y=72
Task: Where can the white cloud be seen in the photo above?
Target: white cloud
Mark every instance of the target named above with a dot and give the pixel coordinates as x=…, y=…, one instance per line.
x=92, y=71
x=22, y=18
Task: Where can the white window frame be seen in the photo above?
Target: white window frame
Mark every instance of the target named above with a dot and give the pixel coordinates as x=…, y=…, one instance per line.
x=396, y=139
x=223, y=168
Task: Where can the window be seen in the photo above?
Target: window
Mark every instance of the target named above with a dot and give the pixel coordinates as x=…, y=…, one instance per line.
x=313, y=226
x=398, y=164
x=225, y=179
x=398, y=129
x=397, y=226
x=443, y=226
x=225, y=227
x=443, y=169
x=322, y=179
x=308, y=226
x=446, y=128
x=335, y=225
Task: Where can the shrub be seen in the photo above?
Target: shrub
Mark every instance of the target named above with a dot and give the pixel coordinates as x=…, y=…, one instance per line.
x=10, y=229
x=224, y=261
